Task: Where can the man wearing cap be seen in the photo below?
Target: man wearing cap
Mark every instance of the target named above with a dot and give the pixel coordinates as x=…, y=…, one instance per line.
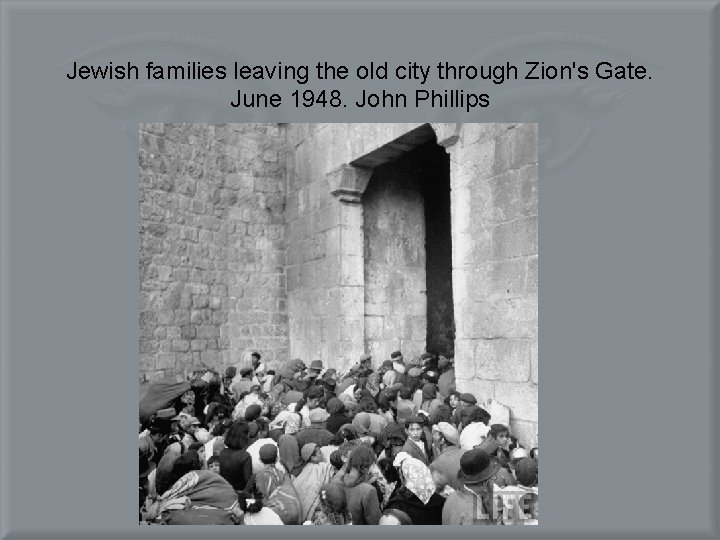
x=316, y=432
x=446, y=448
x=472, y=503
x=466, y=400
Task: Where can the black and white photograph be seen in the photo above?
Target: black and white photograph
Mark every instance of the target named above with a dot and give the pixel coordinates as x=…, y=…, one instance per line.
x=338, y=324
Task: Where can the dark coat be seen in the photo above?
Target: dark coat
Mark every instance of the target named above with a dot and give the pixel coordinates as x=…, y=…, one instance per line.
x=421, y=514
x=412, y=449
x=317, y=435
x=235, y=467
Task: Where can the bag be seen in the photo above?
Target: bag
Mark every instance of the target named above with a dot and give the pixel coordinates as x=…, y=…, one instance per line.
x=285, y=502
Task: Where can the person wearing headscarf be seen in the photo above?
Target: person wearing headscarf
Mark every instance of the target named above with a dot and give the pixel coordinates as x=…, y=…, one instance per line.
x=393, y=516
x=314, y=472
x=289, y=454
x=417, y=497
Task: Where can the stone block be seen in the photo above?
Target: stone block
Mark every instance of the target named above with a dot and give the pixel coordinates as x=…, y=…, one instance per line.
x=208, y=332
x=521, y=398
x=534, y=362
x=482, y=390
x=165, y=361
x=503, y=360
x=525, y=431
x=531, y=276
x=515, y=239
x=352, y=270
x=180, y=345
x=524, y=145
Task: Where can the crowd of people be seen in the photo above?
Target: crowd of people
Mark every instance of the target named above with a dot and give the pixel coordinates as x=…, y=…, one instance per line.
x=305, y=445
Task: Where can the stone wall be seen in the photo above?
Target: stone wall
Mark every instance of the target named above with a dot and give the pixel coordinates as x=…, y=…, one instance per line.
x=212, y=246
x=395, y=290
x=494, y=181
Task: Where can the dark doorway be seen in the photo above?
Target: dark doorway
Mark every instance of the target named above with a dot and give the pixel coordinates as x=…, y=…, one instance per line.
x=408, y=254
x=434, y=179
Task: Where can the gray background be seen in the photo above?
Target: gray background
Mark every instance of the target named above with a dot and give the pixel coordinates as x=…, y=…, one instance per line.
x=628, y=260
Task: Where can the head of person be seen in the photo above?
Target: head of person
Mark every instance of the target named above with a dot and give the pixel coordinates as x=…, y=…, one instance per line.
x=414, y=428
x=313, y=396
x=268, y=454
x=199, y=448
x=454, y=399
x=406, y=392
x=479, y=414
x=318, y=417
x=213, y=464
x=361, y=458
x=311, y=453
x=501, y=434
x=393, y=516
x=467, y=400
x=237, y=436
x=445, y=434
x=526, y=472
x=367, y=404
x=255, y=359
x=332, y=498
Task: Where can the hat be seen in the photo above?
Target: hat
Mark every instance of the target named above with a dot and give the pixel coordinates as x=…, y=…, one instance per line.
x=425, y=356
x=318, y=415
x=468, y=398
x=308, y=450
x=395, y=355
x=387, y=364
x=526, y=471
x=475, y=467
x=230, y=372
x=245, y=371
x=316, y=365
x=449, y=431
x=252, y=412
x=268, y=453
x=256, y=355
x=329, y=374
x=165, y=413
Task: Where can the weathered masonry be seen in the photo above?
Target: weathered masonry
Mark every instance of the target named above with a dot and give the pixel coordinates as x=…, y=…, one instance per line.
x=324, y=241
